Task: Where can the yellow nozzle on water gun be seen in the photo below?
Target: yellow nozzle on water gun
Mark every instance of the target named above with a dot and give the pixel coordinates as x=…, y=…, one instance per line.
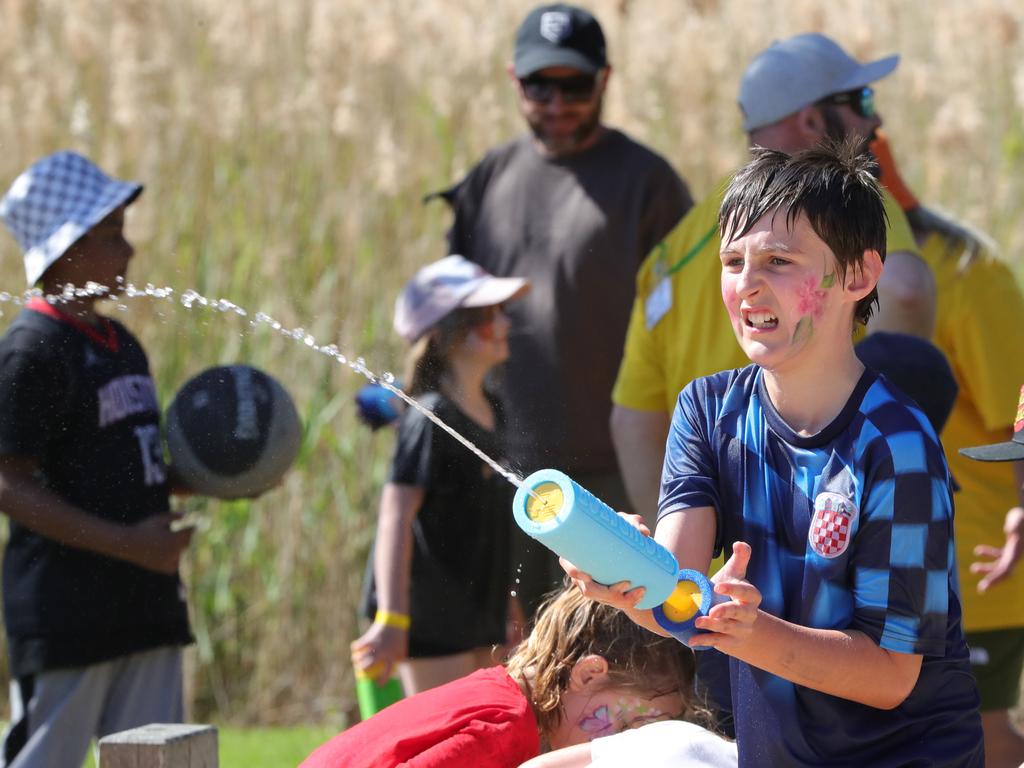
x=684, y=601
x=545, y=503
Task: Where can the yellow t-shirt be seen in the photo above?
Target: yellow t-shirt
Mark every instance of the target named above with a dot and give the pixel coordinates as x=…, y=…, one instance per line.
x=980, y=310
x=671, y=343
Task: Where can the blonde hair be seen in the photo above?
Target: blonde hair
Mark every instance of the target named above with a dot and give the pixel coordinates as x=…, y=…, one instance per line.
x=569, y=627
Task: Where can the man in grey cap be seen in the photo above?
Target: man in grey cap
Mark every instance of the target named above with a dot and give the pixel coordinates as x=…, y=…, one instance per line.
x=793, y=94
x=573, y=206
x=805, y=88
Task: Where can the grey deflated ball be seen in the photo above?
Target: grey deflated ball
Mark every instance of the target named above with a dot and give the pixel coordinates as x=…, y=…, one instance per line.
x=232, y=432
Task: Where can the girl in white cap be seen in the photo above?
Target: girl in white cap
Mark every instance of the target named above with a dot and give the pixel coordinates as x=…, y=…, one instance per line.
x=438, y=588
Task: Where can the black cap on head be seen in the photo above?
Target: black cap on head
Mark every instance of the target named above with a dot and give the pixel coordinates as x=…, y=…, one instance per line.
x=559, y=36
x=1011, y=450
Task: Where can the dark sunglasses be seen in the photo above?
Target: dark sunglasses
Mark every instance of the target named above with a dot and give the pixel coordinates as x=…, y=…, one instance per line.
x=860, y=100
x=575, y=90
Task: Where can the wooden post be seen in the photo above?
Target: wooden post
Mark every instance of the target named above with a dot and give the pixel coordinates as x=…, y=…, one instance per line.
x=161, y=746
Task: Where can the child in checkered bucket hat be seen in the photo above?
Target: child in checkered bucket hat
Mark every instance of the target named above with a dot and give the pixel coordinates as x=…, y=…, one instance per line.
x=57, y=200
x=93, y=607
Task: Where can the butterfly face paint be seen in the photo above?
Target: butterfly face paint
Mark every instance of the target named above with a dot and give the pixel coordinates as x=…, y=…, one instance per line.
x=619, y=716
x=590, y=714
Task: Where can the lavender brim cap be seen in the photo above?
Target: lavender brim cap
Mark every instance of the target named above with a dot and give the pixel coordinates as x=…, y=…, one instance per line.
x=446, y=285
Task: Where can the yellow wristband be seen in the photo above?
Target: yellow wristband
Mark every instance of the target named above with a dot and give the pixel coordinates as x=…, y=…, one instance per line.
x=389, y=619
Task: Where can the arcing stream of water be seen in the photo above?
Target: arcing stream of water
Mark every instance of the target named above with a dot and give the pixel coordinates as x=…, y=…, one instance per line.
x=190, y=298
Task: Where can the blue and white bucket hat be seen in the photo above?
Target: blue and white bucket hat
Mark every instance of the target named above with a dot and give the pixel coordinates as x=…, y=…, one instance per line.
x=57, y=200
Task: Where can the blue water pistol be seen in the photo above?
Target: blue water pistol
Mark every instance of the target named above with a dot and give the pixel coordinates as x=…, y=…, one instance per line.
x=576, y=525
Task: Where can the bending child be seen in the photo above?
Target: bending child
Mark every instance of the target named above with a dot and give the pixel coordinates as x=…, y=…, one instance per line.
x=843, y=626
x=438, y=587
x=585, y=671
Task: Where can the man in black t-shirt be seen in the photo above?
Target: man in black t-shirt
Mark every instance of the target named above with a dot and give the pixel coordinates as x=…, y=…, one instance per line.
x=94, y=610
x=574, y=206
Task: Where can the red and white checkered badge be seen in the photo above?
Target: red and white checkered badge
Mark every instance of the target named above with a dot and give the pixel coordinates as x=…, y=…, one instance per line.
x=834, y=516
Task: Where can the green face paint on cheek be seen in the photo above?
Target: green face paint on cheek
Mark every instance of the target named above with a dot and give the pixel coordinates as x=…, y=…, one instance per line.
x=638, y=708
x=804, y=330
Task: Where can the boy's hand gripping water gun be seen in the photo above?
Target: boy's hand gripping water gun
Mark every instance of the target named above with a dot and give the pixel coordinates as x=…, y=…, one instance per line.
x=574, y=524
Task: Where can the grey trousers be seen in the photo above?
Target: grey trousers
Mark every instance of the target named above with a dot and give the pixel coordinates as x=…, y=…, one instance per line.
x=55, y=715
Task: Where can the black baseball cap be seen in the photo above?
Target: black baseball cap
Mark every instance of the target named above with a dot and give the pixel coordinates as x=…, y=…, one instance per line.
x=1011, y=450
x=559, y=36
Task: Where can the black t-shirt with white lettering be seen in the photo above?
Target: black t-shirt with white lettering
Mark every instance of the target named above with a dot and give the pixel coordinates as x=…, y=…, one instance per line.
x=81, y=402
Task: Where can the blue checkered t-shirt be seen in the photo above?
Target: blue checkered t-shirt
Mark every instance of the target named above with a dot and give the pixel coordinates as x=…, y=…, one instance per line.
x=851, y=529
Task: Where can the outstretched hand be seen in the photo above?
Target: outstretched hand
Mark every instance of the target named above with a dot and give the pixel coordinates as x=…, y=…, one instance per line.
x=728, y=625
x=998, y=562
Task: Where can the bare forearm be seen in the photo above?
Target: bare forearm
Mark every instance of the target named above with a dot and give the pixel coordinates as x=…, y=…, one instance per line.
x=393, y=552
x=639, y=439
x=846, y=663
x=40, y=510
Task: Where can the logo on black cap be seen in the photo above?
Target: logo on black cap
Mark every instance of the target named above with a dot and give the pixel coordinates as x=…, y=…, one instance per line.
x=559, y=36
x=555, y=26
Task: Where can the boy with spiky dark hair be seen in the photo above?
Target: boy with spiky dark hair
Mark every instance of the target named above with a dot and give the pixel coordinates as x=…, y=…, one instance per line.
x=843, y=626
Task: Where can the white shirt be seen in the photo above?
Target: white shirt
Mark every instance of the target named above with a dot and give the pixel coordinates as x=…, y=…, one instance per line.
x=668, y=744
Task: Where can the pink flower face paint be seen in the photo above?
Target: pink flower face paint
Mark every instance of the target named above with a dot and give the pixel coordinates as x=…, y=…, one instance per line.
x=812, y=295
x=811, y=305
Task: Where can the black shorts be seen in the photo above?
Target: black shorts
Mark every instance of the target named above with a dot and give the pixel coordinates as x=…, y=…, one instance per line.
x=997, y=659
